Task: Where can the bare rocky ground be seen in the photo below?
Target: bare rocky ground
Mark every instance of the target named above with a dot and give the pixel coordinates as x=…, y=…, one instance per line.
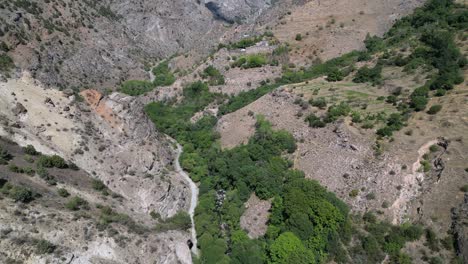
x=330, y=28
x=255, y=217
x=76, y=236
x=111, y=139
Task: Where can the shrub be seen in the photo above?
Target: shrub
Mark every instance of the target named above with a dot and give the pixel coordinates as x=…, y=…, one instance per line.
x=391, y=99
x=163, y=75
x=434, y=109
x=213, y=75
x=245, y=43
x=282, y=49
x=6, y=63
x=385, y=131
x=63, y=192
x=370, y=196
x=14, y=168
x=365, y=74
x=30, y=150
x=374, y=43
x=426, y=165
x=136, y=87
x=44, y=174
x=336, y=111
x=44, y=247
x=431, y=240
x=356, y=117
x=5, y=156
x=315, y=121
x=76, y=203
x=434, y=148
x=464, y=188
x=335, y=75
x=298, y=37
x=354, y=193
x=440, y=92
x=18, y=193
x=109, y=216
x=364, y=56
x=419, y=102
x=98, y=185
x=319, y=102
x=180, y=221
x=21, y=194
x=51, y=161
x=250, y=61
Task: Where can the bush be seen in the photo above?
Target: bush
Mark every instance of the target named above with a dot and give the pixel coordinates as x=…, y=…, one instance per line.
x=335, y=75
x=434, y=109
x=180, y=221
x=163, y=75
x=51, y=161
x=30, y=150
x=109, y=216
x=336, y=111
x=213, y=75
x=440, y=92
x=136, y=87
x=44, y=174
x=6, y=63
x=5, y=156
x=245, y=43
x=298, y=37
x=365, y=74
x=364, y=56
x=21, y=194
x=76, y=203
x=98, y=185
x=63, y=192
x=354, y=193
x=419, y=102
x=374, y=43
x=434, y=148
x=315, y=121
x=464, y=188
x=44, y=247
x=250, y=61
x=282, y=49
x=319, y=102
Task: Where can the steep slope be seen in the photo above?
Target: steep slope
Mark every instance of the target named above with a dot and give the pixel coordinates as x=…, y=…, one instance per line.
x=88, y=43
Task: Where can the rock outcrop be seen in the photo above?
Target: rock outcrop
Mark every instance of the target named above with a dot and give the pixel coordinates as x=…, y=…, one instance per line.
x=112, y=140
x=237, y=10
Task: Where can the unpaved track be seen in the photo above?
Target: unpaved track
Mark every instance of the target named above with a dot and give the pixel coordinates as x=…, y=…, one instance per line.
x=410, y=190
x=193, y=198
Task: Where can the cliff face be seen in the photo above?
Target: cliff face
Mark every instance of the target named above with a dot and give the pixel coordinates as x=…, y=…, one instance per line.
x=236, y=10
x=98, y=43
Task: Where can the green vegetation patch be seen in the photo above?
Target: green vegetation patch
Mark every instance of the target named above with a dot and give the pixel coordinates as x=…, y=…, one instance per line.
x=76, y=203
x=213, y=75
x=6, y=63
x=250, y=61
x=180, y=221
x=136, y=87
x=17, y=193
x=163, y=75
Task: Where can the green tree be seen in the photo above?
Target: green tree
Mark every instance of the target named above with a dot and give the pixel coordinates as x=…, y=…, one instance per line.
x=288, y=247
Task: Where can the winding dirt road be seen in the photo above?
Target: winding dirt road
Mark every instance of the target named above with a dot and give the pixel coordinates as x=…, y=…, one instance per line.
x=193, y=198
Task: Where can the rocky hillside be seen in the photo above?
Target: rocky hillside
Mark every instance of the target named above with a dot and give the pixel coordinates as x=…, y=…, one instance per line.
x=88, y=43
x=316, y=131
